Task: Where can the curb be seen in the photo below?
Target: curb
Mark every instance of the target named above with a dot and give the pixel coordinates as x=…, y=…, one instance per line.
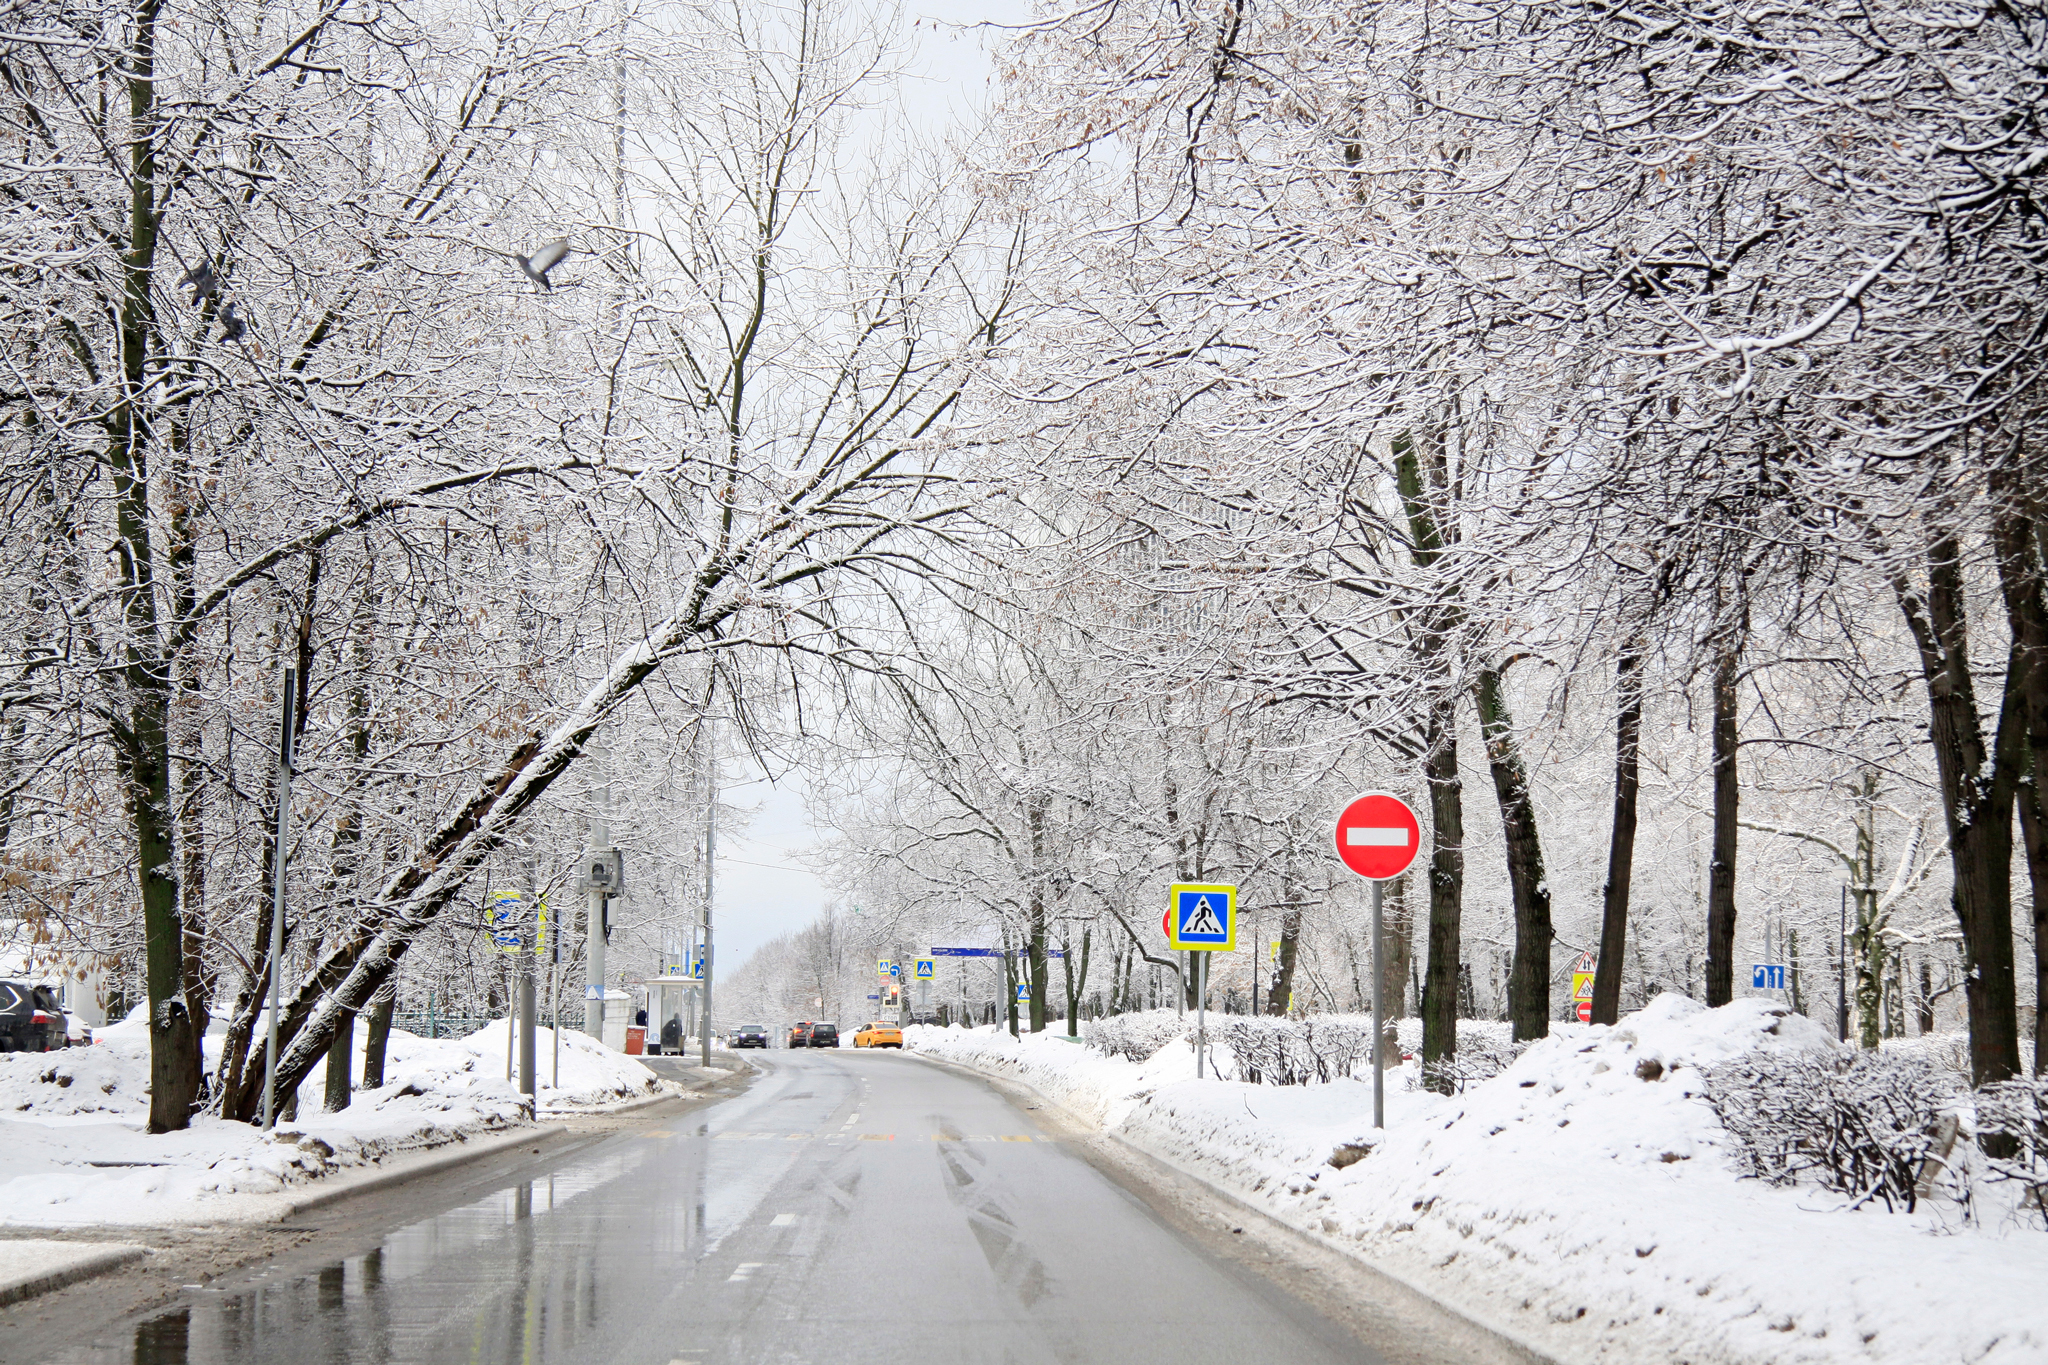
x=432, y=1161
x=85, y=1268
x=629, y=1107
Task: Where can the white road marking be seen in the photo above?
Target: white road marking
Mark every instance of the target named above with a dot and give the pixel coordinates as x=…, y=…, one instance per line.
x=745, y=1271
x=782, y=1220
x=1364, y=836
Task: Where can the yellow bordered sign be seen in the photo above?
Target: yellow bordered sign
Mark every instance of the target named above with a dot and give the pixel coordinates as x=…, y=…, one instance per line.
x=1201, y=917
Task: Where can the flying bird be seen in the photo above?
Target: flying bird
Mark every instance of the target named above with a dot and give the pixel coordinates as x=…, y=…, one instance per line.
x=545, y=258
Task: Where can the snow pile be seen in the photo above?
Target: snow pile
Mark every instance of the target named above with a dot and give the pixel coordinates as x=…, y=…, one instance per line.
x=592, y=1075
x=73, y=1150
x=1586, y=1198
x=112, y=1078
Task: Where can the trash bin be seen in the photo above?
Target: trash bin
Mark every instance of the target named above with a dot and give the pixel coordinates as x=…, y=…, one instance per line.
x=636, y=1040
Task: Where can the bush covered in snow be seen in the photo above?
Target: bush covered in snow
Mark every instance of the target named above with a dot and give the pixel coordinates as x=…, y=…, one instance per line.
x=1860, y=1124
x=1136, y=1037
x=2017, y=1112
x=1280, y=1051
x=1478, y=1058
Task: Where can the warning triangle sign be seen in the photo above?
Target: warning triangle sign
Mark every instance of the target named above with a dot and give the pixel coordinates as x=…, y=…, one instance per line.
x=1582, y=987
x=1199, y=920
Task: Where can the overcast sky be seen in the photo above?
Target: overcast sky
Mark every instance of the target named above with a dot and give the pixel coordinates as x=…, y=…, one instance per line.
x=763, y=890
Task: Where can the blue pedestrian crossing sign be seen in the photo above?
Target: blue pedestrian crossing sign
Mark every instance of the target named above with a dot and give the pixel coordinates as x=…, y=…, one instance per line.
x=924, y=969
x=1202, y=917
x=1023, y=992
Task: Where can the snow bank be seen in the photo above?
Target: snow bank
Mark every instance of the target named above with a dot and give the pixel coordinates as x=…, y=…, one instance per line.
x=1586, y=1198
x=72, y=1149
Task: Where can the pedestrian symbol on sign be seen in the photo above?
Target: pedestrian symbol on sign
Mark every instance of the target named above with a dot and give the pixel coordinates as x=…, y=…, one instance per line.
x=1202, y=917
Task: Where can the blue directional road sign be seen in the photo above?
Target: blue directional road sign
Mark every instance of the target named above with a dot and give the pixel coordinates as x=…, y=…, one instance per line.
x=1767, y=976
x=1202, y=917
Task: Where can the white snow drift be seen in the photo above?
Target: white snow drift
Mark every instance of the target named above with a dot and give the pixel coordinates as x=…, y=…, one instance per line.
x=1585, y=1199
x=73, y=1151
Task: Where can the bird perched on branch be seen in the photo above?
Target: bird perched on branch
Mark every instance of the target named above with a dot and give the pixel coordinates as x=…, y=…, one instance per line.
x=199, y=279
x=231, y=327
x=545, y=258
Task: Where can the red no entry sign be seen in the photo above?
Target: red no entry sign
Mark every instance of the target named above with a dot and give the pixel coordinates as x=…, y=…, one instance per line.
x=1378, y=836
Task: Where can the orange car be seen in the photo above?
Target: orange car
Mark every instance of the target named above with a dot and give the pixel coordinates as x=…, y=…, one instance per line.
x=881, y=1033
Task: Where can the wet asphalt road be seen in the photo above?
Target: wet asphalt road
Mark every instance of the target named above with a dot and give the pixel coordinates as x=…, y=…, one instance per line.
x=848, y=1207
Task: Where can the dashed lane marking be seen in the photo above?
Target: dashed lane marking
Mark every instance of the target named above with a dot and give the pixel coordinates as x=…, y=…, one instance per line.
x=744, y=1271
x=782, y=1220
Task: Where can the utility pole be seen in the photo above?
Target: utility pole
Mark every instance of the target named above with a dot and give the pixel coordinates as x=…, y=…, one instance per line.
x=284, y=819
x=710, y=872
x=555, y=993
x=526, y=1007
x=595, y=923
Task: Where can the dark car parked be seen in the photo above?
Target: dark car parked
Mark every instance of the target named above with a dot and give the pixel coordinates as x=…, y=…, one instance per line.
x=800, y=1034
x=824, y=1035
x=30, y=1018
x=750, y=1035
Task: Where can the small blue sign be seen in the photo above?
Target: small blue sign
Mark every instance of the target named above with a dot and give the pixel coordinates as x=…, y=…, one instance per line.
x=874, y=997
x=1204, y=917
x=1023, y=991
x=1767, y=976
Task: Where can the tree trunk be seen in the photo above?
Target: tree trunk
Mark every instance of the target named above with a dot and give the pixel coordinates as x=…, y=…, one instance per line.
x=142, y=734
x=1621, y=841
x=1435, y=629
x=340, y=1061
x=1446, y=886
x=1282, y=990
x=1529, y=978
x=1720, y=984
x=1978, y=788
x=1397, y=942
x=1077, y=981
x=381, y=1007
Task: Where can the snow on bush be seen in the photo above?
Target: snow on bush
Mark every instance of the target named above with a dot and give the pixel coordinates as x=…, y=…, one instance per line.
x=1863, y=1125
x=1271, y=1050
x=2017, y=1112
x=1136, y=1037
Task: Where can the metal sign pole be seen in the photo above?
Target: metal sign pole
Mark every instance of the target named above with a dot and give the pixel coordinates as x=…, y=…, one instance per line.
x=284, y=816
x=1379, y=1019
x=555, y=998
x=1201, y=1011
x=710, y=875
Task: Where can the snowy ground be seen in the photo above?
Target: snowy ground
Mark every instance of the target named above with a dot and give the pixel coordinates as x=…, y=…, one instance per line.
x=73, y=1153
x=1583, y=1200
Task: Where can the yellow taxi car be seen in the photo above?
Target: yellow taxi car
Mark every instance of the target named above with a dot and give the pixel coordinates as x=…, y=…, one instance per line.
x=881, y=1033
